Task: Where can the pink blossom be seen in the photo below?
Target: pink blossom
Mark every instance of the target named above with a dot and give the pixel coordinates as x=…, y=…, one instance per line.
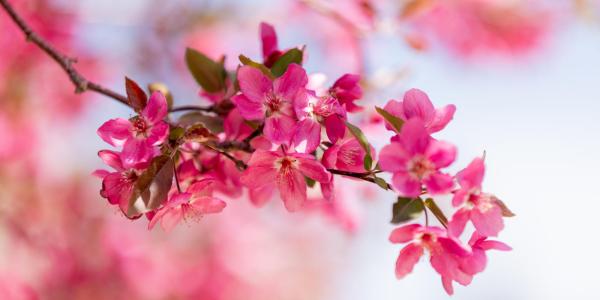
x=476, y=262
x=416, y=105
x=140, y=134
x=287, y=171
x=480, y=208
x=271, y=101
x=445, y=252
x=270, y=50
x=312, y=112
x=195, y=202
x=347, y=90
x=415, y=159
x=346, y=155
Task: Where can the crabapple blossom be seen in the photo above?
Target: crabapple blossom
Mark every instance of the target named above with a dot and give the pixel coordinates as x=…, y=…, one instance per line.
x=140, y=134
x=346, y=155
x=347, y=90
x=481, y=208
x=415, y=159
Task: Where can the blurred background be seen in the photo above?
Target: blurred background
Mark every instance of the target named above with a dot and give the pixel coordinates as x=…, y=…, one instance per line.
x=524, y=75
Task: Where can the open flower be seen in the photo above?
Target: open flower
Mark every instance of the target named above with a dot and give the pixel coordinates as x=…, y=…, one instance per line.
x=287, y=171
x=346, y=155
x=140, y=134
x=481, y=208
x=416, y=159
x=194, y=203
x=271, y=101
x=416, y=105
x=445, y=252
x=347, y=90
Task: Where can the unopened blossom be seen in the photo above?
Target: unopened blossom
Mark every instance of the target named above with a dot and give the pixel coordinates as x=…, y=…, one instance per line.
x=416, y=105
x=141, y=134
x=445, y=252
x=270, y=50
x=346, y=155
x=347, y=90
x=194, y=203
x=271, y=100
x=287, y=172
x=481, y=208
x=415, y=159
x=314, y=111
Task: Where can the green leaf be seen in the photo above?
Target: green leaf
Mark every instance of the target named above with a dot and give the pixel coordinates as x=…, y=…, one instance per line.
x=209, y=74
x=381, y=183
x=310, y=182
x=176, y=133
x=135, y=95
x=506, y=212
x=213, y=123
x=248, y=62
x=406, y=209
x=291, y=56
x=362, y=140
x=391, y=119
x=152, y=186
x=437, y=212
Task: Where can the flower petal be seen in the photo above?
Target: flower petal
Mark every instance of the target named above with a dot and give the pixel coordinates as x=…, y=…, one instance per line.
x=156, y=109
x=253, y=83
x=269, y=39
x=457, y=224
x=439, y=183
x=488, y=222
x=313, y=169
x=258, y=176
x=404, y=234
x=279, y=128
x=472, y=175
x=416, y=104
x=409, y=256
x=250, y=110
x=393, y=158
x=136, y=151
x=208, y=205
x=291, y=82
x=335, y=128
x=112, y=159
x=292, y=189
x=307, y=136
x=414, y=137
x=115, y=131
x=158, y=133
x=406, y=184
x=442, y=117
x=496, y=245
x=440, y=153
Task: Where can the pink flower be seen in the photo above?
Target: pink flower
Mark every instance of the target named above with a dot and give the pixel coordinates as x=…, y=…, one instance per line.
x=263, y=99
x=312, y=112
x=445, y=252
x=480, y=208
x=117, y=186
x=476, y=262
x=287, y=171
x=140, y=134
x=195, y=202
x=416, y=105
x=346, y=155
x=415, y=159
x=347, y=90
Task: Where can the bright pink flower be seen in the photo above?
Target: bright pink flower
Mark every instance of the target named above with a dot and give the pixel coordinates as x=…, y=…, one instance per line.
x=312, y=112
x=415, y=159
x=416, y=105
x=287, y=171
x=195, y=202
x=117, y=186
x=140, y=134
x=272, y=101
x=481, y=208
x=445, y=252
x=347, y=90
x=346, y=155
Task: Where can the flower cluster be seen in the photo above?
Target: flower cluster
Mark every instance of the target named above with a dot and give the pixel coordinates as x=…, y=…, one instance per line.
x=270, y=130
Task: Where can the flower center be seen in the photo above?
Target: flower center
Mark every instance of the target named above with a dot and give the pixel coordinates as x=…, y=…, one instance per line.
x=324, y=107
x=130, y=176
x=286, y=165
x=273, y=102
x=421, y=167
x=140, y=127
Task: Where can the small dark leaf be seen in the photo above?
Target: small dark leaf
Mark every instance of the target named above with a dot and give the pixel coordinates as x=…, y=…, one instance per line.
x=391, y=119
x=213, y=123
x=199, y=133
x=291, y=56
x=152, y=186
x=209, y=74
x=406, y=209
x=362, y=140
x=310, y=182
x=506, y=212
x=248, y=62
x=176, y=133
x=437, y=212
x=135, y=95
x=381, y=183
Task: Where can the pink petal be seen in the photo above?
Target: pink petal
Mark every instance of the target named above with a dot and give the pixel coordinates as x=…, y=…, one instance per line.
x=460, y=197
x=156, y=109
x=439, y=183
x=442, y=117
x=393, y=158
x=453, y=246
x=100, y=173
x=269, y=39
x=489, y=222
x=489, y=245
x=335, y=128
x=307, y=136
x=291, y=82
x=279, y=128
x=447, y=284
x=329, y=158
x=406, y=184
x=475, y=263
x=117, y=190
x=414, y=137
x=396, y=109
x=254, y=84
x=472, y=175
x=202, y=188
x=351, y=156
x=442, y=154
x=171, y=218
x=264, y=158
x=457, y=224
x=250, y=110
x=136, y=151
x=258, y=176
x=112, y=159
x=158, y=133
x=416, y=104
x=208, y=205
x=292, y=189
x=409, y=256
x=260, y=196
x=313, y=169
x=115, y=131
x=404, y=234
